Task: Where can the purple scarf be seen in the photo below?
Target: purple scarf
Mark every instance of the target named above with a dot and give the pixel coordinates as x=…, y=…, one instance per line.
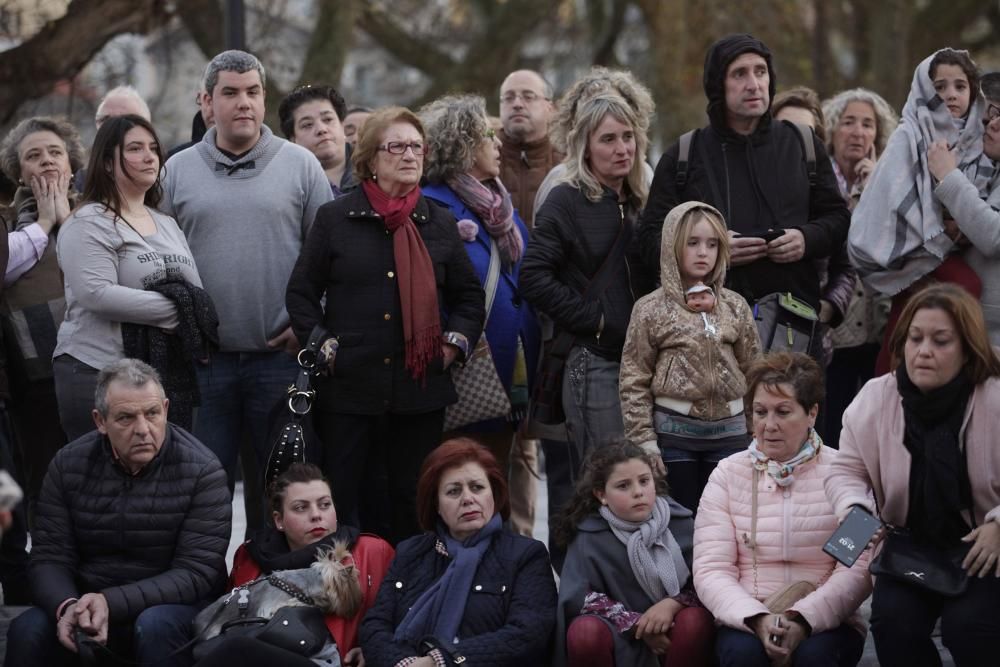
x=491, y=202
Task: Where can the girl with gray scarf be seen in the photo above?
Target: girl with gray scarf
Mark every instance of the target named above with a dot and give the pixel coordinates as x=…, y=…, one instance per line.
x=626, y=596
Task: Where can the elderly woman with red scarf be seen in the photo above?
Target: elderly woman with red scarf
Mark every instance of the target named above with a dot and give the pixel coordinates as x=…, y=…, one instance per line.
x=402, y=304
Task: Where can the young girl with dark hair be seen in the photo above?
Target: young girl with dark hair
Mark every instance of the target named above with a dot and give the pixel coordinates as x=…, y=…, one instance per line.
x=901, y=237
x=626, y=596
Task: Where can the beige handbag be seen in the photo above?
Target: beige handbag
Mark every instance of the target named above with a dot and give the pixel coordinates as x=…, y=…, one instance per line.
x=784, y=598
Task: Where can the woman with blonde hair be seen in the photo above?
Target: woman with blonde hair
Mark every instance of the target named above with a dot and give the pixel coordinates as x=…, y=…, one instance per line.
x=582, y=268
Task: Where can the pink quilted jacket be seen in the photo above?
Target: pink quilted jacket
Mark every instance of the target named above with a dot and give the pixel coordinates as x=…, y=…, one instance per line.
x=874, y=458
x=793, y=524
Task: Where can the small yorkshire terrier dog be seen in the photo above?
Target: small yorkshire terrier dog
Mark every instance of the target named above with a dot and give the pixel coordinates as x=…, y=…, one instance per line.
x=331, y=581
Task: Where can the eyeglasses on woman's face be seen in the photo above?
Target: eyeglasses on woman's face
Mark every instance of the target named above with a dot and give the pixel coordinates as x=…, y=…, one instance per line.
x=399, y=147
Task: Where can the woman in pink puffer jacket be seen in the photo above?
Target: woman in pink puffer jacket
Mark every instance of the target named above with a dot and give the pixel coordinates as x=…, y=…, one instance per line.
x=739, y=563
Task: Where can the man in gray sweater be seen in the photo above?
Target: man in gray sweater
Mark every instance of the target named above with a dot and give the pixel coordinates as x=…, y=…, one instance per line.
x=976, y=225
x=245, y=199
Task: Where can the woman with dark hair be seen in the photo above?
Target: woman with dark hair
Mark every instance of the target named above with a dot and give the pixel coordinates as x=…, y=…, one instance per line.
x=923, y=439
x=386, y=274
x=112, y=249
x=463, y=174
x=626, y=597
x=305, y=524
x=465, y=591
x=40, y=154
x=759, y=564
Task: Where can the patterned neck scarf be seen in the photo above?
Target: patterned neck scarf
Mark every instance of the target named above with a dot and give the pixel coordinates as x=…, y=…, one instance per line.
x=783, y=472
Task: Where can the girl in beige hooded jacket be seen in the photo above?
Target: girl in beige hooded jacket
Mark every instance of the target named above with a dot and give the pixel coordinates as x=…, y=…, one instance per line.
x=682, y=372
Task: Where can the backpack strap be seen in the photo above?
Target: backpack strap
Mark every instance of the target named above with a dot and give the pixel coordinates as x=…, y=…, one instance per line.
x=684, y=145
x=806, y=135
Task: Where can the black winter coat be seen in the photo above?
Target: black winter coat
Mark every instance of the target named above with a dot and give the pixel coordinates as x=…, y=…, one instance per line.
x=571, y=240
x=762, y=183
x=348, y=258
x=508, y=617
x=158, y=537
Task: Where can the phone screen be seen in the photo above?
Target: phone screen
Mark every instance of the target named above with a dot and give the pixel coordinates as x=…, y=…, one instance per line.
x=853, y=535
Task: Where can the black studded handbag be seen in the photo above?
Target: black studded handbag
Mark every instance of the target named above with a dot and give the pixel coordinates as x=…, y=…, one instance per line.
x=291, y=426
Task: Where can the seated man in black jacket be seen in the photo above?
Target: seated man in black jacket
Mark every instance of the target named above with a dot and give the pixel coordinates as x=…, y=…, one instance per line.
x=756, y=171
x=131, y=531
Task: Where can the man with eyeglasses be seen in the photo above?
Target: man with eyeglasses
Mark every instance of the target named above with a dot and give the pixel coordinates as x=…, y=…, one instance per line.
x=527, y=155
x=978, y=220
x=245, y=199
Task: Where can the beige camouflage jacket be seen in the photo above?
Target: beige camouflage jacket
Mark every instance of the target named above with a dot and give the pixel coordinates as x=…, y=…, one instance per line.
x=669, y=352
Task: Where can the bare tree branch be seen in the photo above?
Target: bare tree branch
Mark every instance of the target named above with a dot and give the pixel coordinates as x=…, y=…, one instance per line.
x=205, y=22
x=406, y=48
x=331, y=41
x=64, y=46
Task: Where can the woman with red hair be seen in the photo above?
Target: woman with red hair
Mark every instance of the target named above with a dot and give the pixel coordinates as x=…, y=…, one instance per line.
x=465, y=590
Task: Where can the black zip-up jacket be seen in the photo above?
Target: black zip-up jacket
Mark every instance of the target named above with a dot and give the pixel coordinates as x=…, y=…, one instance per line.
x=762, y=183
x=571, y=240
x=348, y=258
x=157, y=537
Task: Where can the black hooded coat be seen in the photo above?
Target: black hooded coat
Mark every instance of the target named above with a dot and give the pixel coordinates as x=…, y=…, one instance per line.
x=762, y=183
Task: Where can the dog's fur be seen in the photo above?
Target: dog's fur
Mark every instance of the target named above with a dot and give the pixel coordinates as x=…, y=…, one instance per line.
x=332, y=581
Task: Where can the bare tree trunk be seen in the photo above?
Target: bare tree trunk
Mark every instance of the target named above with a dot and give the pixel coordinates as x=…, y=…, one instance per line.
x=64, y=47
x=331, y=41
x=666, y=22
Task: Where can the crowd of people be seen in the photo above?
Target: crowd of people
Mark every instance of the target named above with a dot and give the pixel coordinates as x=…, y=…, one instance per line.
x=789, y=321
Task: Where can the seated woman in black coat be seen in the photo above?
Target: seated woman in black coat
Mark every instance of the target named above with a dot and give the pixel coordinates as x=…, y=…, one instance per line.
x=466, y=591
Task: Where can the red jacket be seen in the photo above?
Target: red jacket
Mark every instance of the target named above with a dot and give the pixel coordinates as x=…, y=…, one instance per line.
x=372, y=556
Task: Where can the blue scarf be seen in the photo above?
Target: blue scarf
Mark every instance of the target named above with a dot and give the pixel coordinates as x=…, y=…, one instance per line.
x=439, y=610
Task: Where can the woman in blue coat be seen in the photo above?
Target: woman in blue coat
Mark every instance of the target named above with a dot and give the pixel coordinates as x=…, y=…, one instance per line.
x=463, y=167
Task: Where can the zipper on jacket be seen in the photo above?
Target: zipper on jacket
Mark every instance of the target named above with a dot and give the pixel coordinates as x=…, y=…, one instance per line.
x=524, y=158
x=628, y=269
x=786, y=525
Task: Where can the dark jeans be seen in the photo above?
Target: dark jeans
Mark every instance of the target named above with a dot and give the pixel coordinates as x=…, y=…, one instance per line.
x=238, y=390
x=841, y=647
x=34, y=415
x=688, y=470
x=75, y=383
x=591, y=400
x=903, y=617
x=366, y=452
x=850, y=368
x=158, y=631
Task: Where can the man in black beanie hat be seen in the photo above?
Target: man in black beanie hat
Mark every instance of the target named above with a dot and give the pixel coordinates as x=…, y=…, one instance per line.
x=757, y=172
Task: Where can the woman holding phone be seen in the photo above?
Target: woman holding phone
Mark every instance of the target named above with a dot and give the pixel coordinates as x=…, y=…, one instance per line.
x=759, y=563
x=923, y=440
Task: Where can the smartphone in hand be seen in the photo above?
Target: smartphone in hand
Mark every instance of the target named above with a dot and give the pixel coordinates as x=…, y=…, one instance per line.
x=775, y=639
x=772, y=234
x=853, y=535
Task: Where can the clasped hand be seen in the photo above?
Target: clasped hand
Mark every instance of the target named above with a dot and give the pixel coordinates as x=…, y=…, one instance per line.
x=787, y=634
x=90, y=614
x=653, y=625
